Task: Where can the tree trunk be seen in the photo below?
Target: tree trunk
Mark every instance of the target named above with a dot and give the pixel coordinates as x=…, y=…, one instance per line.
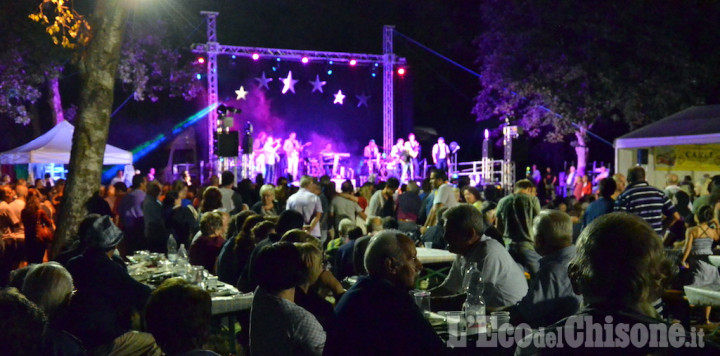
x=54, y=99
x=97, y=69
x=581, y=149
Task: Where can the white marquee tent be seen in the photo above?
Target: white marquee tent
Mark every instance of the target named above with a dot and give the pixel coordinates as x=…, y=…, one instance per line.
x=54, y=147
x=685, y=143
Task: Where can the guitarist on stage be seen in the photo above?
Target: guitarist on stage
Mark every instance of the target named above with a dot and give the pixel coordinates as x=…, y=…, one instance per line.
x=292, y=148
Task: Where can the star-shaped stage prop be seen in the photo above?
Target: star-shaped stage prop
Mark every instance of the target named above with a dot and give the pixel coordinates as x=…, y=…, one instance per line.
x=263, y=81
x=339, y=97
x=288, y=83
x=317, y=84
x=362, y=99
x=241, y=93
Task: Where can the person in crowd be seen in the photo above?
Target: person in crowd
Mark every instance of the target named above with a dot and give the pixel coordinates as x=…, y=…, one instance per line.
x=10, y=223
x=107, y=297
x=434, y=235
x=646, y=201
x=156, y=234
x=515, y=214
x=488, y=210
x=277, y=325
x=343, y=206
x=343, y=262
x=118, y=177
x=308, y=204
x=698, y=246
x=18, y=204
x=38, y=227
x=444, y=196
x=472, y=196
x=409, y=204
x=550, y=296
x=50, y=287
x=211, y=200
x=602, y=206
x=306, y=295
x=382, y=202
x=180, y=221
x=365, y=193
x=110, y=196
x=326, y=192
x=618, y=286
x=82, y=240
x=22, y=324
x=98, y=205
x=234, y=255
x=373, y=226
x=504, y=281
x=178, y=316
x=377, y=315
x=344, y=228
x=671, y=185
x=440, y=154
x=131, y=214
x=621, y=184
x=204, y=251
x=570, y=181
x=282, y=192
x=267, y=206
x=231, y=200
x=120, y=193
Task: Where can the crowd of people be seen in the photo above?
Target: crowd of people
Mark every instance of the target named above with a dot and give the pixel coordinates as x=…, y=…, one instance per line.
x=542, y=260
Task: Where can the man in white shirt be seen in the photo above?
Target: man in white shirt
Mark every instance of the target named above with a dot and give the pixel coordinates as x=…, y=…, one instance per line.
x=18, y=204
x=10, y=224
x=440, y=152
x=444, y=196
x=308, y=204
x=378, y=202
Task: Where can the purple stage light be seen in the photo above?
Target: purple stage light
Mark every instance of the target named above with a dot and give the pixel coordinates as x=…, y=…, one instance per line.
x=401, y=71
x=201, y=60
x=255, y=56
x=353, y=62
x=305, y=60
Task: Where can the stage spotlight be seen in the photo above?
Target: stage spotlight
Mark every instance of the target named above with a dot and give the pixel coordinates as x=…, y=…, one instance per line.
x=401, y=71
x=330, y=62
x=278, y=59
x=201, y=60
x=353, y=62
x=373, y=75
x=255, y=56
x=376, y=64
x=274, y=69
x=305, y=60
x=198, y=76
x=330, y=72
x=234, y=56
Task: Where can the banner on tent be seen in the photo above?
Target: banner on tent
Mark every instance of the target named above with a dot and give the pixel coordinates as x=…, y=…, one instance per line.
x=688, y=158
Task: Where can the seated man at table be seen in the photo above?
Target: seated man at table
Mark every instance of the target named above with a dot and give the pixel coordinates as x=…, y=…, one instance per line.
x=377, y=316
x=550, y=297
x=107, y=297
x=620, y=269
x=505, y=283
x=178, y=315
x=277, y=325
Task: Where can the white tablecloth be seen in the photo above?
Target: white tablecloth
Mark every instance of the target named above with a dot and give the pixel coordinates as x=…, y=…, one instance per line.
x=231, y=304
x=715, y=260
x=703, y=296
x=432, y=255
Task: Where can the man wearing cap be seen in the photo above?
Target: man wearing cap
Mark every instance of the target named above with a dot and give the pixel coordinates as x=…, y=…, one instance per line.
x=106, y=295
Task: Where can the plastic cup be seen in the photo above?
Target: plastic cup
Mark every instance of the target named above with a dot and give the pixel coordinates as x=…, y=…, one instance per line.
x=428, y=244
x=422, y=299
x=455, y=321
x=499, y=320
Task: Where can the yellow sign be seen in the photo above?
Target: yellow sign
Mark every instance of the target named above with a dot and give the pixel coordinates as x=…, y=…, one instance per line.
x=688, y=157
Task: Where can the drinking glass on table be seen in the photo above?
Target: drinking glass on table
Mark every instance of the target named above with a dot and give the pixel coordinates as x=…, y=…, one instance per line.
x=422, y=299
x=428, y=244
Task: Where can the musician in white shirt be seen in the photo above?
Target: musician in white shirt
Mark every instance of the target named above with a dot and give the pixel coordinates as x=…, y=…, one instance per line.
x=271, y=158
x=440, y=153
x=292, y=148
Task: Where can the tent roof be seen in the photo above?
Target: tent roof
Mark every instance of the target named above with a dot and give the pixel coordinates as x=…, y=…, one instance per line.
x=695, y=125
x=55, y=146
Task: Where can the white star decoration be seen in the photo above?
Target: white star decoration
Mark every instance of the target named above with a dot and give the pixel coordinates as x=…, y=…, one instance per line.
x=241, y=93
x=339, y=97
x=263, y=81
x=317, y=84
x=288, y=83
x=362, y=99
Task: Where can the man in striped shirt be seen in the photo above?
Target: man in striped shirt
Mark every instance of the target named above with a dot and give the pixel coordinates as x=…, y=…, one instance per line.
x=646, y=201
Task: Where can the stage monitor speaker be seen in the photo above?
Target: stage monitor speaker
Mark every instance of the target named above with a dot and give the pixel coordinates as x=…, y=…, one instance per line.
x=642, y=156
x=227, y=144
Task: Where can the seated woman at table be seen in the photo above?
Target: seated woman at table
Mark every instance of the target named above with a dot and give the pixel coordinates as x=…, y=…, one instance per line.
x=205, y=249
x=234, y=254
x=697, y=269
x=178, y=316
x=306, y=294
x=277, y=325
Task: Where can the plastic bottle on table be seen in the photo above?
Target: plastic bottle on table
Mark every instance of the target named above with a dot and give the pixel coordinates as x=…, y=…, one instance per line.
x=172, y=249
x=474, y=306
x=182, y=254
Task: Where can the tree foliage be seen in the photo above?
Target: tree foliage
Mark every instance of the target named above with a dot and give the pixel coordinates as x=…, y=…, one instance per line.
x=549, y=65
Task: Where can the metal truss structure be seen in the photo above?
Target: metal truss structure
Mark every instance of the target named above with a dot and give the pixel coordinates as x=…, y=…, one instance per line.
x=212, y=49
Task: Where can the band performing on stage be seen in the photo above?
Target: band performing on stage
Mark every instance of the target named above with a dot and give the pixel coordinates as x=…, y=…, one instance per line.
x=291, y=157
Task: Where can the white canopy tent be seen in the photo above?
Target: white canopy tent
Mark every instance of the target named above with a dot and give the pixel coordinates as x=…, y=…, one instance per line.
x=685, y=143
x=55, y=146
